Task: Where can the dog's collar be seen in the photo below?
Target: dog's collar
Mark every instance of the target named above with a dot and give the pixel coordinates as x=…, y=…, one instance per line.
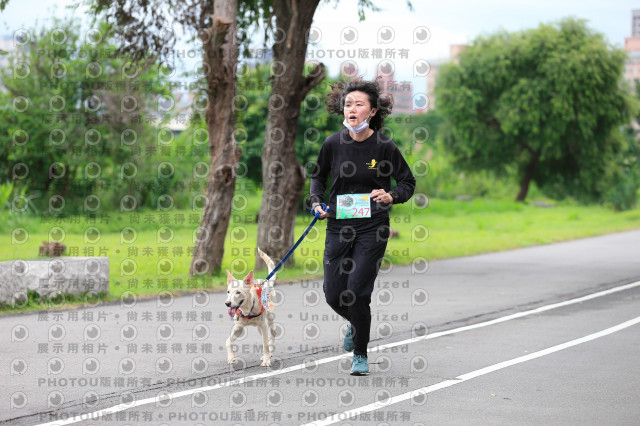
x=239, y=312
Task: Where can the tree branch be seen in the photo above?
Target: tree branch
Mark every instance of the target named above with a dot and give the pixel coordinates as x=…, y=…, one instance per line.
x=315, y=77
x=293, y=23
x=266, y=29
x=525, y=146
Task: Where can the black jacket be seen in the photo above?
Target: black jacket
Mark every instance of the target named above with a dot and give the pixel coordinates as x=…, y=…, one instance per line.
x=361, y=167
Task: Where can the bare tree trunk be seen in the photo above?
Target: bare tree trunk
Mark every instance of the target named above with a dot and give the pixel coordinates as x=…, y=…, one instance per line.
x=220, y=61
x=529, y=171
x=283, y=176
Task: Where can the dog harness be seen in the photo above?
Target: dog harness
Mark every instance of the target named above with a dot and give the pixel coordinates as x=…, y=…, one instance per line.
x=239, y=312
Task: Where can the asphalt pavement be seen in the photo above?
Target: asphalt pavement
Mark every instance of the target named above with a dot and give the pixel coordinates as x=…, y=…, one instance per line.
x=545, y=334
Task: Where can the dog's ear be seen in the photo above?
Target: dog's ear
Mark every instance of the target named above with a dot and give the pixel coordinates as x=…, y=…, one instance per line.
x=229, y=277
x=248, y=280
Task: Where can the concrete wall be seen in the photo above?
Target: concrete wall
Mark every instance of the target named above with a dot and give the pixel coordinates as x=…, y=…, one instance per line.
x=48, y=277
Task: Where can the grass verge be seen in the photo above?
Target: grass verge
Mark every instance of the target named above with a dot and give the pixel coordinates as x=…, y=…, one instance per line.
x=145, y=261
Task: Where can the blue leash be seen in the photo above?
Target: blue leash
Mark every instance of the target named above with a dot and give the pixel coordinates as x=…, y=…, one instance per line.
x=313, y=222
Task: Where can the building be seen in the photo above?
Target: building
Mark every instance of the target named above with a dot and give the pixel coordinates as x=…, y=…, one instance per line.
x=632, y=46
x=6, y=45
x=454, y=52
x=635, y=23
x=402, y=92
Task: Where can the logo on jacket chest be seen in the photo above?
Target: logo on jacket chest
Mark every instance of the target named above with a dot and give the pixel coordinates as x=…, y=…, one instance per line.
x=373, y=164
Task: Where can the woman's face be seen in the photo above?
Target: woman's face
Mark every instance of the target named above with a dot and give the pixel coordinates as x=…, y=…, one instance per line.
x=357, y=107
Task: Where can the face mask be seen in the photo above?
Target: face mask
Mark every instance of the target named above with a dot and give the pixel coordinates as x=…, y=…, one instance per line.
x=360, y=127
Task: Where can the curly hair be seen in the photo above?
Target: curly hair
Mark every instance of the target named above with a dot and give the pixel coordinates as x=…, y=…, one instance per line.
x=382, y=101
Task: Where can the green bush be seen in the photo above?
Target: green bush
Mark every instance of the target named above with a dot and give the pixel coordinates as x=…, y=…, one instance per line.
x=623, y=195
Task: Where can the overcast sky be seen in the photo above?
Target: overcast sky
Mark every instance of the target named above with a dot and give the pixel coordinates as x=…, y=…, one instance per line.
x=396, y=30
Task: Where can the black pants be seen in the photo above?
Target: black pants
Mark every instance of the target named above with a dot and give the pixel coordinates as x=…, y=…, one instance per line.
x=353, y=252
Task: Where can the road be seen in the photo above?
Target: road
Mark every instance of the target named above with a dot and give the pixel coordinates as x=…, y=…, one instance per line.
x=546, y=334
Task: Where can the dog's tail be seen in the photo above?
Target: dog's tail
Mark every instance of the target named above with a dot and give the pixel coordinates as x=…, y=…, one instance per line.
x=270, y=267
x=267, y=287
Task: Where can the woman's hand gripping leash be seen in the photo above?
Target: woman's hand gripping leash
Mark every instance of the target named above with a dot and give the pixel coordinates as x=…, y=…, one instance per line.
x=320, y=211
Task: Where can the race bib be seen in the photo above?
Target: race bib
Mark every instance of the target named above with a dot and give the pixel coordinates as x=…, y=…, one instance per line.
x=353, y=206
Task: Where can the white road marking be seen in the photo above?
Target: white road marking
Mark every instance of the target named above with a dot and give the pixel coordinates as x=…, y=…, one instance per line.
x=352, y=414
x=121, y=407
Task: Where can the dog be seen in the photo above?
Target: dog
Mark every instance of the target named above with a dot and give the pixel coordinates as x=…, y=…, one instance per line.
x=246, y=308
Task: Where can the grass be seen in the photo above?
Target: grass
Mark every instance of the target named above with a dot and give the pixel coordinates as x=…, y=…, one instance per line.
x=444, y=229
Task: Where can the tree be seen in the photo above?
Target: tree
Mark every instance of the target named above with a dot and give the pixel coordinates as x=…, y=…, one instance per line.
x=220, y=60
x=61, y=104
x=623, y=194
x=283, y=177
x=547, y=101
x=147, y=27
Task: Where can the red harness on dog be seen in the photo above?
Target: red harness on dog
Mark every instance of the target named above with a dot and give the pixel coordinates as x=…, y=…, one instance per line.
x=239, y=312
